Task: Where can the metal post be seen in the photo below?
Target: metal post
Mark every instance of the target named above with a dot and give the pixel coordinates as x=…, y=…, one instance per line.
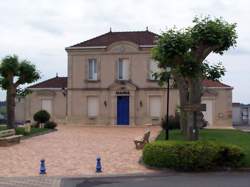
x=166, y=130
x=98, y=165
x=42, y=167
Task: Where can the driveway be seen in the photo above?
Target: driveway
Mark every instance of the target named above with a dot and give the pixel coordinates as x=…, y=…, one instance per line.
x=72, y=151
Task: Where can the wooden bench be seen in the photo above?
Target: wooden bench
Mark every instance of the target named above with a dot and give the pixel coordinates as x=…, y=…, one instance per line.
x=9, y=137
x=140, y=142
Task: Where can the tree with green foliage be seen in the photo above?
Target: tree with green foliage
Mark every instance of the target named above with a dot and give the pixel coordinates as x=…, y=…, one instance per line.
x=14, y=73
x=42, y=116
x=185, y=51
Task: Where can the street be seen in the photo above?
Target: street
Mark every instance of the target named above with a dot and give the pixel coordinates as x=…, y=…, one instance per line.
x=215, y=179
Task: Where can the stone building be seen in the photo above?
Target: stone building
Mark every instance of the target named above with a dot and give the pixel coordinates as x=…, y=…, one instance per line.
x=110, y=82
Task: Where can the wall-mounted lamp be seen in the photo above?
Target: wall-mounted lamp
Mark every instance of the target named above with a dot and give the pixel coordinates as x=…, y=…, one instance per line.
x=105, y=103
x=141, y=104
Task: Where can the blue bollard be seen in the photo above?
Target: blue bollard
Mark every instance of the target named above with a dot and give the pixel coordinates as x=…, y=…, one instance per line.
x=42, y=167
x=98, y=165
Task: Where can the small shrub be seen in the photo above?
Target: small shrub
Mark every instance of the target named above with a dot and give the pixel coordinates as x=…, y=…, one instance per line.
x=173, y=122
x=230, y=156
x=41, y=116
x=50, y=125
x=191, y=156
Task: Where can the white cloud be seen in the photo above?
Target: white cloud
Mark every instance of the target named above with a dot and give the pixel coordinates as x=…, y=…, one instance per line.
x=40, y=30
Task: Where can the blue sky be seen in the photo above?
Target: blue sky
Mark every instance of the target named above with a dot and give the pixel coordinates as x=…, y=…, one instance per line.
x=40, y=30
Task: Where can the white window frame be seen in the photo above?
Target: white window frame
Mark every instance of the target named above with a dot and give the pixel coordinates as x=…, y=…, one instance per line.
x=122, y=69
x=93, y=111
x=92, y=69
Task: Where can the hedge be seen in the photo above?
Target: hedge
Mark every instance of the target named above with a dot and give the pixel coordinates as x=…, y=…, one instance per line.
x=191, y=156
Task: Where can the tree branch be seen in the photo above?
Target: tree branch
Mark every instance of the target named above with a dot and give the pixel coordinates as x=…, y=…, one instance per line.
x=201, y=51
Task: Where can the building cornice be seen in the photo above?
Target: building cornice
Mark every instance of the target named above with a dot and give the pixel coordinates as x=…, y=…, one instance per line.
x=220, y=88
x=38, y=89
x=102, y=47
x=89, y=47
x=108, y=89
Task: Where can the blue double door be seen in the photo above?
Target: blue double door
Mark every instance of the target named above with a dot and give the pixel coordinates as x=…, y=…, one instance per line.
x=122, y=110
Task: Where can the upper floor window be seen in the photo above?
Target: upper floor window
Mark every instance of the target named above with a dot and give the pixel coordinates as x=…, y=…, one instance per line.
x=92, y=69
x=123, y=69
x=153, y=68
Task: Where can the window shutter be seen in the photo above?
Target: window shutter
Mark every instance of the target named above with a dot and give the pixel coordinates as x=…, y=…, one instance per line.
x=120, y=69
x=98, y=73
x=47, y=105
x=86, y=70
x=93, y=108
x=125, y=69
x=91, y=69
x=155, y=106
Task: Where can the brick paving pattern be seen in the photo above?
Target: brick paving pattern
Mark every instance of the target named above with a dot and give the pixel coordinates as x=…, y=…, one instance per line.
x=72, y=151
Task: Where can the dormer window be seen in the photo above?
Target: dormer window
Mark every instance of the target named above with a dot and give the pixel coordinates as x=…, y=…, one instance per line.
x=123, y=69
x=92, y=69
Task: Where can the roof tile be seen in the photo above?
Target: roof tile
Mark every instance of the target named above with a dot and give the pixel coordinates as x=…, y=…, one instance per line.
x=56, y=82
x=216, y=84
x=137, y=37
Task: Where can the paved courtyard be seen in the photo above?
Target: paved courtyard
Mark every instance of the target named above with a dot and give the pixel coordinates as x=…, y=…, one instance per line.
x=72, y=150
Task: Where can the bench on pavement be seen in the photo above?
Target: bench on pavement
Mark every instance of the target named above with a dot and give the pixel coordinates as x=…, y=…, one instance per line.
x=9, y=137
x=140, y=142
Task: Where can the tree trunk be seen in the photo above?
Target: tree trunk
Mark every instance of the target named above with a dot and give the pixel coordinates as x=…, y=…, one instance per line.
x=10, y=98
x=193, y=117
x=183, y=95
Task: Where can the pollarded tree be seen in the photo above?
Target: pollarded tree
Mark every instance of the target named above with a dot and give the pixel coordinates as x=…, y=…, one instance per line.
x=210, y=72
x=14, y=73
x=185, y=52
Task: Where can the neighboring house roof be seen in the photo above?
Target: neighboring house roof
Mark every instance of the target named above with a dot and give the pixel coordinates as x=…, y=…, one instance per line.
x=215, y=84
x=137, y=37
x=236, y=104
x=56, y=82
x=61, y=82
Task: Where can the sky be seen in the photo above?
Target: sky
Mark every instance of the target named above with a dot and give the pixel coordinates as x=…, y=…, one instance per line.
x=40, y=30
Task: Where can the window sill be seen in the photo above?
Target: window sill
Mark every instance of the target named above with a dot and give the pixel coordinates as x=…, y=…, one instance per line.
x=92, y=117
x=155, y=118
x=152, y=80
x=92, y=81
x=122, y=80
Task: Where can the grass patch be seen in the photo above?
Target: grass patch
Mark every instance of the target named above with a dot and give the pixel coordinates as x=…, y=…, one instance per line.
x=20, y=130
x=234, y=137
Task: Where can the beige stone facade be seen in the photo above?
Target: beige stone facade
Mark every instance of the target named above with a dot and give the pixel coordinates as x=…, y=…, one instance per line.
x=107, y=87
x=86, y=101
